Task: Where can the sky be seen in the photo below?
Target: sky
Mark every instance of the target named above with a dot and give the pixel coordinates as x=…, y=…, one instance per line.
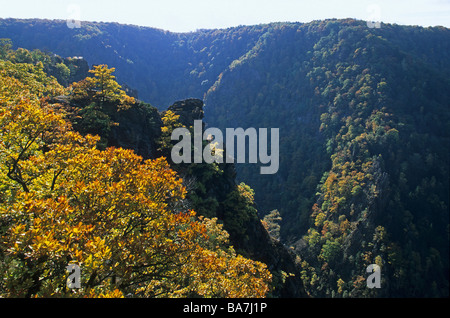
x=190, y=15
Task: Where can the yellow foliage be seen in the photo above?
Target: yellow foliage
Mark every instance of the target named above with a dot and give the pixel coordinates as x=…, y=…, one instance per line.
x=114, y=214
x=102, y=87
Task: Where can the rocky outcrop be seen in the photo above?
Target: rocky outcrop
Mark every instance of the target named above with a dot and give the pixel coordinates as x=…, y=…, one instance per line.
x=247, y=235
x=138, y=128
x=189, y=110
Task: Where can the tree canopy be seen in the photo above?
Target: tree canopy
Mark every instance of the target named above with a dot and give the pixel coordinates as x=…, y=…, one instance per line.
x=119, y=217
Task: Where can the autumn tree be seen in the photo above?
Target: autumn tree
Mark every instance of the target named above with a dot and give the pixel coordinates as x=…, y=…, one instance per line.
x=170, y=122
x=102, y=87
x=117, y=216
x=271, y=223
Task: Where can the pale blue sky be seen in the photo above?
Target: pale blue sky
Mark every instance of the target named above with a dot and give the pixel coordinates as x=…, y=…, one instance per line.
x=189, y=15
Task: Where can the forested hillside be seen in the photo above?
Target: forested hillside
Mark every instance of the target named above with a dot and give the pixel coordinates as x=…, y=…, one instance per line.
x=75, y=191
x=364, y=155
x=364, y=135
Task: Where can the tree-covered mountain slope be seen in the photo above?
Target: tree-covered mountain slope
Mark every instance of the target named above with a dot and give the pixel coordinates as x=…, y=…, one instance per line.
x=364, y=127
x=53, y=140
x=364, y=152
x=162, y=66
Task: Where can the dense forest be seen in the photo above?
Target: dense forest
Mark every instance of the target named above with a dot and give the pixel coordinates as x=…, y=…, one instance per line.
x=87, y=180
x=364, y=157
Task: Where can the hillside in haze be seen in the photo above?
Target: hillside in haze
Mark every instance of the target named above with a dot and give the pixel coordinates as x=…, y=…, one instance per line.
x=364, y=125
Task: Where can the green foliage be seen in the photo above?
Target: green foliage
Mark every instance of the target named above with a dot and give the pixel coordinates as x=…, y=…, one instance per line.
x=330, y=251
x=345, y=104
x=5, y=48
x=364, y=121
x=271, y=223
x=64, y=70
